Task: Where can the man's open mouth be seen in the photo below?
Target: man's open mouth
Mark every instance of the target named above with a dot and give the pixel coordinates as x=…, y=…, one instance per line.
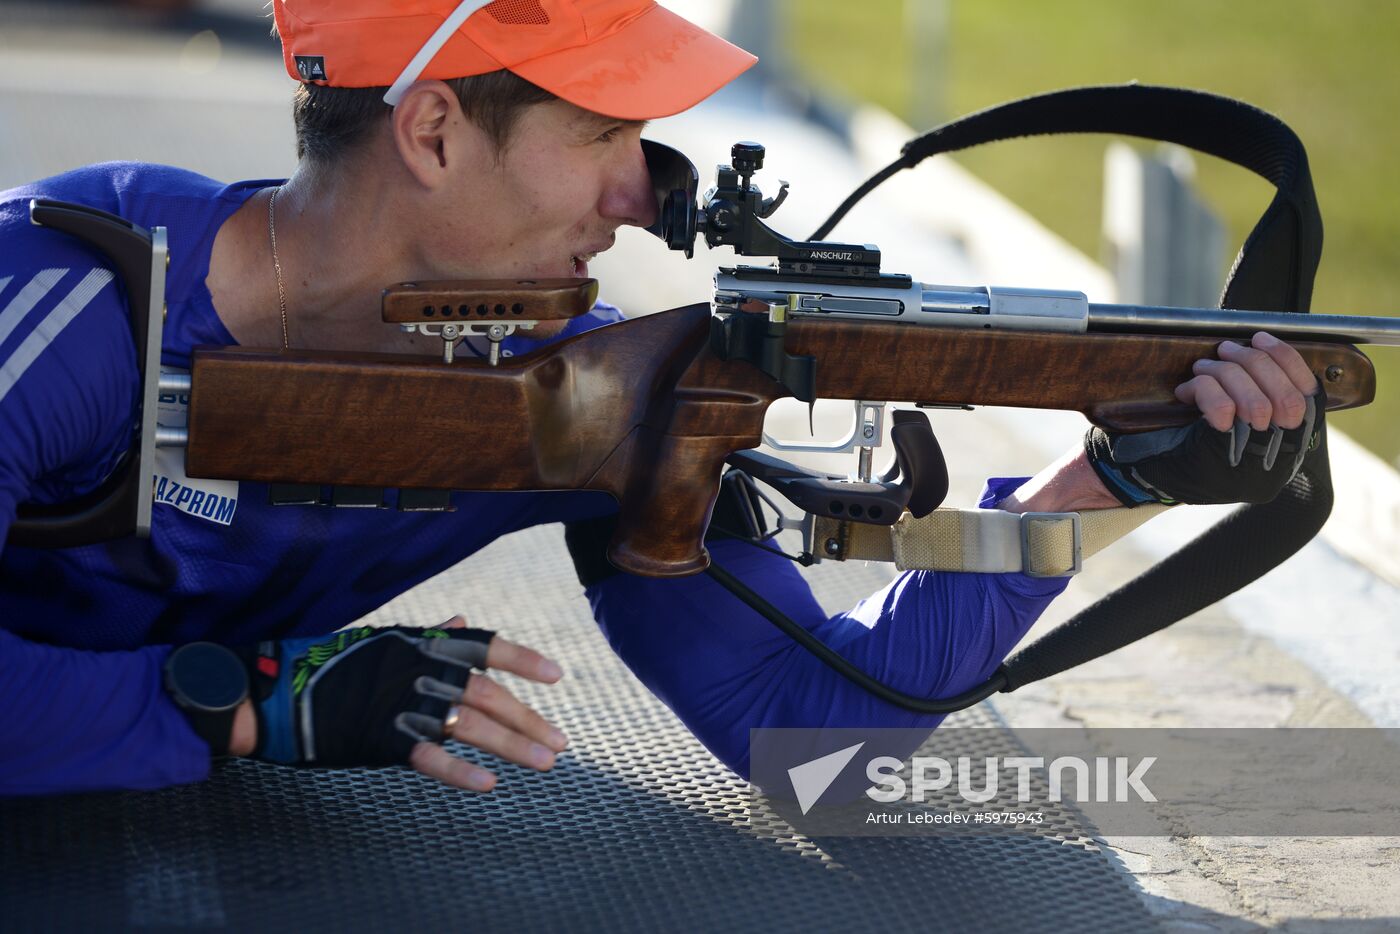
x=583, y=257
x=581, y=261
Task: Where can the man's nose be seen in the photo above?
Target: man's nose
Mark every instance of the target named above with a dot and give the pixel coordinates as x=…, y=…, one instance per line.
x=629, y=197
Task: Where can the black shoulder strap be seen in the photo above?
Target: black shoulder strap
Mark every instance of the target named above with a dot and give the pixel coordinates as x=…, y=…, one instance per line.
x=113, y=509
x=1273, y=272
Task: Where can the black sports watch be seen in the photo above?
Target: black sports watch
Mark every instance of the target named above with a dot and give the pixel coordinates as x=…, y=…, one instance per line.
x=208, y=682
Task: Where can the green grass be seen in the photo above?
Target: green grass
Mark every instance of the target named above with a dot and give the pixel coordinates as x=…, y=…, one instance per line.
x=1330, y=70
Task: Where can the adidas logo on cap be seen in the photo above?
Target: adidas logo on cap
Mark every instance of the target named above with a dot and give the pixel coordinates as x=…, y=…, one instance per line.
x=311, y=67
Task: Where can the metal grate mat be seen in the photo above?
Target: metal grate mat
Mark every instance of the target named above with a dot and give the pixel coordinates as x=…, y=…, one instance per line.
x=638, y=828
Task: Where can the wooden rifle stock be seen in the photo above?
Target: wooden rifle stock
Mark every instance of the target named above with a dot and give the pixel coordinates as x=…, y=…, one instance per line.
x=645, y=411
x=1120, y=382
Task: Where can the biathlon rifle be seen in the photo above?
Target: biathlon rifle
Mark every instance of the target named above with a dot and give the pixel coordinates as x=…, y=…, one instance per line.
x=649, y=410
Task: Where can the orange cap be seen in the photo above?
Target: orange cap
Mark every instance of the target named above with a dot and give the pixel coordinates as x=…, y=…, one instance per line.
x=629, y=59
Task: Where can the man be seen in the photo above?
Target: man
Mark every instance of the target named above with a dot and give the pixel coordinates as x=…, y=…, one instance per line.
x=437, y=140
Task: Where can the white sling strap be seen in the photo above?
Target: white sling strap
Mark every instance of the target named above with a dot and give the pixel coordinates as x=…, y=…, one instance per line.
x=1040, y=544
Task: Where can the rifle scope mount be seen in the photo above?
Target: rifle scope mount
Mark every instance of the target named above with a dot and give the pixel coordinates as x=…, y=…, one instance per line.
x=733, y=214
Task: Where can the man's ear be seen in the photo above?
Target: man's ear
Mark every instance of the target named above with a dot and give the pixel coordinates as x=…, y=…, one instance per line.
x=427, y=127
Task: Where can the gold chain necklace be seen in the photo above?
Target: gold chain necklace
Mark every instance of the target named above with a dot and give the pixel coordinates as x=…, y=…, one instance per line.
x=277, y=264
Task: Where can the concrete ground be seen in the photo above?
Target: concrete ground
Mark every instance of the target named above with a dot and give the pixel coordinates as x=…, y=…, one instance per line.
x=1208, y=670
x=76, y=90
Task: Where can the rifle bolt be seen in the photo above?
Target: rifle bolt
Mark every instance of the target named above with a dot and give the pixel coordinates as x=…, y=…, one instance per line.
x=1334, y=373
x=832, y=547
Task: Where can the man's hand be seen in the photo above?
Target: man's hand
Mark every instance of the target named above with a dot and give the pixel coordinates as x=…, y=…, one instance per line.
x=492, y=719
x=1262, y=410
x=1243, y=396
x=370, y=697
x=1263, y=384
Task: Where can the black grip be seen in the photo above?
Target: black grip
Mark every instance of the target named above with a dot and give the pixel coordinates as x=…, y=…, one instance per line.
x=918, y=448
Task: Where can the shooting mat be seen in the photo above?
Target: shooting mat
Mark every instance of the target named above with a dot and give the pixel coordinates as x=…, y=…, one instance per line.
x=638, y=828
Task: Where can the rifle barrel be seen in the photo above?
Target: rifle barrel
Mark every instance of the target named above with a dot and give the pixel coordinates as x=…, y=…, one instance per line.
x=1019, y=309
x=1156, y=319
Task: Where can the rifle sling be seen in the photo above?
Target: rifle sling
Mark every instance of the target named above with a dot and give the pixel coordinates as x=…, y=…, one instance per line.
x=985, y=541
x=1274, y=271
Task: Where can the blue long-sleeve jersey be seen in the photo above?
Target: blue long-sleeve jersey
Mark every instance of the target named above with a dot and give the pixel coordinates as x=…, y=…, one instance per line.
x=84, y=631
